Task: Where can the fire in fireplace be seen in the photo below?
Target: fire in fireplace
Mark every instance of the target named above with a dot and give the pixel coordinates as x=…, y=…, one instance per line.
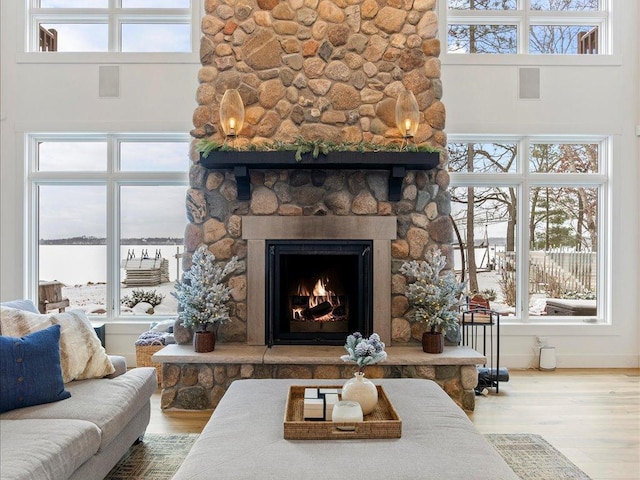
x=318, y=291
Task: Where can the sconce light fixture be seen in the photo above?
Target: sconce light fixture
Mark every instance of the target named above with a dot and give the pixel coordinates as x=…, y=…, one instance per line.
x=231, y=113
x=407, y=115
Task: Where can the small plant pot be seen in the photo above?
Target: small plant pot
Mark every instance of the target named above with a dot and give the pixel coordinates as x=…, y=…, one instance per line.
x=204, y=342
x=432, y=342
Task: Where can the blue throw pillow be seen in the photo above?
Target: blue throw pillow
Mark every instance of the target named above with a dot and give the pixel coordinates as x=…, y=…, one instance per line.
x=30, y=371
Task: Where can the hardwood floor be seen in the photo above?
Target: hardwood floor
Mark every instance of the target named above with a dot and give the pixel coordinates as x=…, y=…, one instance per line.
x=591, y=416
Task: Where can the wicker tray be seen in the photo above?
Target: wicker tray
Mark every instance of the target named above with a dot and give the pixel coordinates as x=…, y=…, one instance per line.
x=143, y=358
x=383, y=422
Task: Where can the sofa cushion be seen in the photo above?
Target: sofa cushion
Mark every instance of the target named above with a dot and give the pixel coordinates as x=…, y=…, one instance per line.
x=30, y=370
x=108, y=403
x=45, y=449
x=81, y=353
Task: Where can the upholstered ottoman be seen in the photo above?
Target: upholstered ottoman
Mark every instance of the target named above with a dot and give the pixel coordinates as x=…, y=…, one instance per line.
x=244, y=440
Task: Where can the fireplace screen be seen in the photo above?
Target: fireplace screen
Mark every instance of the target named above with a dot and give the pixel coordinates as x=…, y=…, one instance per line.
x=318, y=291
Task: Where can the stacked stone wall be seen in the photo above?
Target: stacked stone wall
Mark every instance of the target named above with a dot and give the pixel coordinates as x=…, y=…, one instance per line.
x=328, y=69
x=193, y=386
x=215, y=217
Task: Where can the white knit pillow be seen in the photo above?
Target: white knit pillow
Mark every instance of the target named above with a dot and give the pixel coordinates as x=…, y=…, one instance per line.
x=81, y=353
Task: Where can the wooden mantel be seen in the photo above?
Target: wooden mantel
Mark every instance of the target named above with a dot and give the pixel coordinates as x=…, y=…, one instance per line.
x=396, y=163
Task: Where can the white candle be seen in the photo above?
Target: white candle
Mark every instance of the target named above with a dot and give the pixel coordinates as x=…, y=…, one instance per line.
x=232, y=123
x=347, y=411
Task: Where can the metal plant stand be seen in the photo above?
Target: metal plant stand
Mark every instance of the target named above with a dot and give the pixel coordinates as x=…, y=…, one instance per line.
x=475, y=322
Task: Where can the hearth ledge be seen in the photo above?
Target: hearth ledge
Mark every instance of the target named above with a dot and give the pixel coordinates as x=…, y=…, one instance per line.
x=315, y=355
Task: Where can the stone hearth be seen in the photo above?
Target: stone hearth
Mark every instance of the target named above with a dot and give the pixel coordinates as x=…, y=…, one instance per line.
x=197, y=381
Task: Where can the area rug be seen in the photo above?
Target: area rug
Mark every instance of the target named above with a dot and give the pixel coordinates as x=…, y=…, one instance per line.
x=530, y=456
x=158, y=457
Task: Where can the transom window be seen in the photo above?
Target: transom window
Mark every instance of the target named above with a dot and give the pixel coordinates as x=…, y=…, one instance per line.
x=108, y=220
x=567, y=27
x=528, y=215
x=111, y=26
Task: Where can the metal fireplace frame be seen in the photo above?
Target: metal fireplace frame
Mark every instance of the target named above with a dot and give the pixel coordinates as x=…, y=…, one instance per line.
x=360, y=317
x=381, y=230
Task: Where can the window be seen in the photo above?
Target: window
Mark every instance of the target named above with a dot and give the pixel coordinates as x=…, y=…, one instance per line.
x=567, y=27
x=108, y=219
x=528, y=216
x=111, y=26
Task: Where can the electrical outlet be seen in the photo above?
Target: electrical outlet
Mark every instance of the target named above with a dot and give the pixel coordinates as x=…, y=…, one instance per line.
x=542, y=341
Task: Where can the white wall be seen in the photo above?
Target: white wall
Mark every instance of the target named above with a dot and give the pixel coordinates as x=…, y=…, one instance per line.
x=598, y=99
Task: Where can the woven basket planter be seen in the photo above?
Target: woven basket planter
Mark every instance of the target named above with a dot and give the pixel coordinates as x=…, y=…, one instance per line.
x=143, y=357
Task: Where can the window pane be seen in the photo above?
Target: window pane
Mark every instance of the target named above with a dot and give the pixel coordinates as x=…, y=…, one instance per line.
x=74, y=3
x=152, y=223
x=563, y=158
x=78, y=37
x=72, y=230
x=154, y=156
x=563, y=235
x=72, y=156
x=483, y=4
x=485, y=218
x=563, y=39
x=156, y=3
x=562, y=5
x=483, y=157
x=482, y=39
x=137, y=37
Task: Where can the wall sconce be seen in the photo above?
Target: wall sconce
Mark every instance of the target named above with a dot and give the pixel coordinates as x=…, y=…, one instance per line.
x=231, y=113
x=407, y=115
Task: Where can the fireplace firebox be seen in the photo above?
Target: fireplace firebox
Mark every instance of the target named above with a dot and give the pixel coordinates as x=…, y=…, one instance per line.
x=318, y=291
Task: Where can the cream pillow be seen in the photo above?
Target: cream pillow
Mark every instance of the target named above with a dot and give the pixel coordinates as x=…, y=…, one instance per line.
x=81, y=353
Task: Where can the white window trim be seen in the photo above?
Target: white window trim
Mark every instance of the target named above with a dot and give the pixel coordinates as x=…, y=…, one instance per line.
x=523, y=18
x=112, y=179
x=114, y=17
x=522, y=180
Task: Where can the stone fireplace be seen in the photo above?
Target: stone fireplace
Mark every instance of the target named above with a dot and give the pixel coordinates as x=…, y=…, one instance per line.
x=326, y=71
x=331, y=71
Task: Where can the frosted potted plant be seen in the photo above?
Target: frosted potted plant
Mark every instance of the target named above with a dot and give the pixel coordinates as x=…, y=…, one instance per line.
x=433, y=296
x=363, y=351
x=203, y=297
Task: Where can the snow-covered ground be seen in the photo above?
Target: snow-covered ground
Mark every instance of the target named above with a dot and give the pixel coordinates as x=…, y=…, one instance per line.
x=91, y=298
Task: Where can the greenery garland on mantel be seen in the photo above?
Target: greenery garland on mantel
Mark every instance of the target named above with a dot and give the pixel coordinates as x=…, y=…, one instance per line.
x=316, y=147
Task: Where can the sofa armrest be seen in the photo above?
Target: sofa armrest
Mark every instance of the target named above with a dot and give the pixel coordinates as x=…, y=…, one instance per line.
x=119, y=363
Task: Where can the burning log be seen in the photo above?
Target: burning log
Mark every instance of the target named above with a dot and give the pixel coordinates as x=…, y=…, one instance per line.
x=319, y=310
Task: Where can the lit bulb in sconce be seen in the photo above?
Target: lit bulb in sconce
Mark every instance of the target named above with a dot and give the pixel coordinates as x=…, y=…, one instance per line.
x=407, y=114
x=231, y=113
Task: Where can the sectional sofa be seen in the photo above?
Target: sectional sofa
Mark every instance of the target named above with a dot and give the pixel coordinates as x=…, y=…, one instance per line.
x=81, y=437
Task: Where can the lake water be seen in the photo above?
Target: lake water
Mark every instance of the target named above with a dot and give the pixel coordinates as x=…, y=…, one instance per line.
x=81, y=264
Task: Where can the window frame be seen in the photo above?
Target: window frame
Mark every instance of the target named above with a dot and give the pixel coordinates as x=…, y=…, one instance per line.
x=114, y=17
x=524, y=18
x=113, y=179
x=523, y=180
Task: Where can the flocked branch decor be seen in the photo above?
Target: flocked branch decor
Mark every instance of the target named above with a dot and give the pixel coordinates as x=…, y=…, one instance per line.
x=433, y=294
x=364, y=351
x=203, y=295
